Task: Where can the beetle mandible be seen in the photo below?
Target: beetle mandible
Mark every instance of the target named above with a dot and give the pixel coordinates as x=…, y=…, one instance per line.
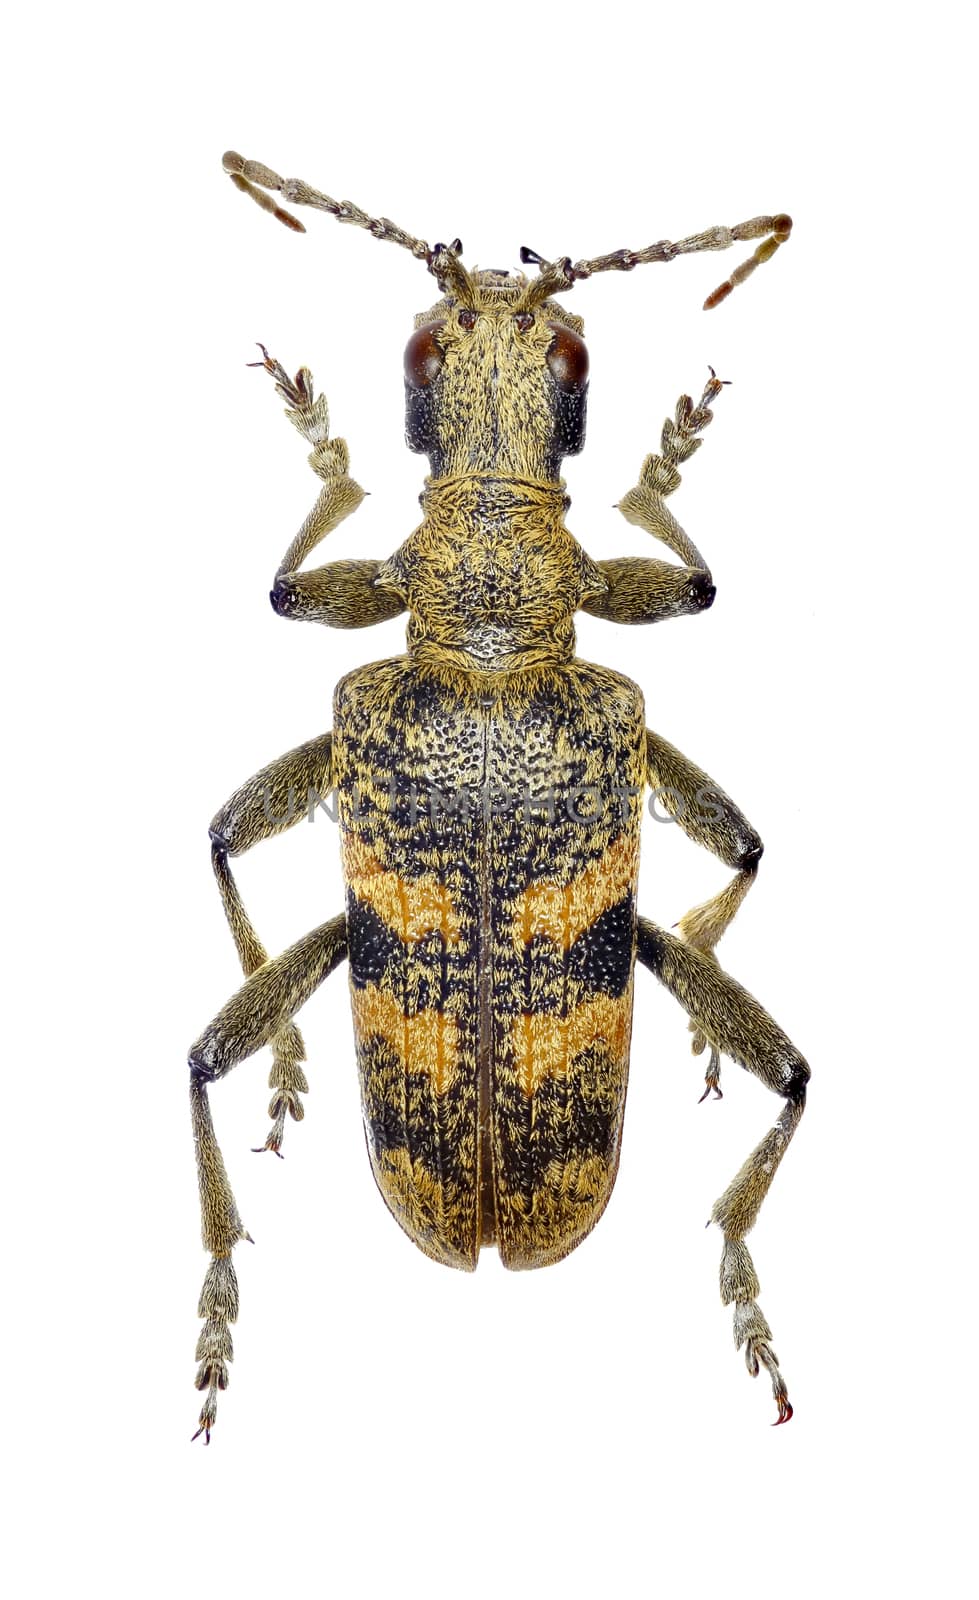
x=489, y=788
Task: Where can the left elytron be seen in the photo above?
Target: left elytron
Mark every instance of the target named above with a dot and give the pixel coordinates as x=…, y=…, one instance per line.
x=490, y=787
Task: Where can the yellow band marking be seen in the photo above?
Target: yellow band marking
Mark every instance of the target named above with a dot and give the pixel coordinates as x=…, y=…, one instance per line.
x=427, y=1042
x=544, y=1045
x=411, y=907
x=563, y=911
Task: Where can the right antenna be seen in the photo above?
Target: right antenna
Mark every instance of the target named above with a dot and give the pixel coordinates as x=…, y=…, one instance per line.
x=561, y=275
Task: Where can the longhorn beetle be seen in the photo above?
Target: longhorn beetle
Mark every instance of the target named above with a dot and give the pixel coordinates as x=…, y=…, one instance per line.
x=489, y=789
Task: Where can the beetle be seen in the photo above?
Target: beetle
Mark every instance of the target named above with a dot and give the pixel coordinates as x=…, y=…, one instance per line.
x=489, y=787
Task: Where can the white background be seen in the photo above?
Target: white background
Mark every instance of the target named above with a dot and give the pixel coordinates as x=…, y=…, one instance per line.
x=392, y=1427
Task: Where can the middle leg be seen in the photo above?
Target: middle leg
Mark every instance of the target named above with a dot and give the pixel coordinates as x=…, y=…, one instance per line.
x=710, y=818
x=267, y=804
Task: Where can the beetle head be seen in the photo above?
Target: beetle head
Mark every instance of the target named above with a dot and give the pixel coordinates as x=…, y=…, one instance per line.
x=494, y=383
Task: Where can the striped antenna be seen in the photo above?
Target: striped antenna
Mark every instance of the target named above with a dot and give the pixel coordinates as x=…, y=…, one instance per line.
x=254, y=178
x=558, y=276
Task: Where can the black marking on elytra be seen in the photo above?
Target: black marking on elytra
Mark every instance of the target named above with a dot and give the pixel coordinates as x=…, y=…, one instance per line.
x=384, y=1117
x=579, y=1113
x=601, y=957
x=403, y=1112
x=540, y=1141
x=371, y=942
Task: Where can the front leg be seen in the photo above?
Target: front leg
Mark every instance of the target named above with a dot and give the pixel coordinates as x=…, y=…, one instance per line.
x=640, y=590
x=645, y=504
x=343, y=594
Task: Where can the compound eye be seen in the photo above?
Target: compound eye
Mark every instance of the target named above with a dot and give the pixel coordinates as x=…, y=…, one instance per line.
x=567, y=358
x=424, y=355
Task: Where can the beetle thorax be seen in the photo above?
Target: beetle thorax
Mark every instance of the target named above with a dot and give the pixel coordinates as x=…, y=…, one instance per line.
x=492, y=577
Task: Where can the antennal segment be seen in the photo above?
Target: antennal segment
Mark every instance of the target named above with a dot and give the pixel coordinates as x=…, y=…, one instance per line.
x=252, y=177
x=560, y=275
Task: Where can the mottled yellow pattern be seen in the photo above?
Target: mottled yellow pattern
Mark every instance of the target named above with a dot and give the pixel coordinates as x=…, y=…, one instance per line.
x=545, y=1045
x=577, y=1187
x=416, y=1198
x=412, y=908
x=563, y=911
x=425, y=1043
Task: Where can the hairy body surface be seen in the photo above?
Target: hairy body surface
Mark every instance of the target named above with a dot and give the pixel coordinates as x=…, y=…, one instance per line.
x=490, y=789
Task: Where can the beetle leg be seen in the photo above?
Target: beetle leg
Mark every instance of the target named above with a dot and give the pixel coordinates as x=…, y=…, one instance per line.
x=640, y=590
x=732, y=1021
x=342, y=594
x=710, y=818
x=258, y=1013
x=712, y=1077
x=277, y=797
x=645, y=504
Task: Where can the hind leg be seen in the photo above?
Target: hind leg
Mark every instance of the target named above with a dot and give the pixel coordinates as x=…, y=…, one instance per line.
x=732, y=1021
x=256, y=1014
